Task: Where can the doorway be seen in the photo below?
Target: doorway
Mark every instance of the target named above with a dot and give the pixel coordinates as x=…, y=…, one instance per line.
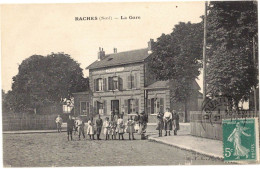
x=115, y=106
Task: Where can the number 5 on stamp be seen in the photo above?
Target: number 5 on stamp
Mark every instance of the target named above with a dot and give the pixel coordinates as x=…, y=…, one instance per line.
x=240, y=139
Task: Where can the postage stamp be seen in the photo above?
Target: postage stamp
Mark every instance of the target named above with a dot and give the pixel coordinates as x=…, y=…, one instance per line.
x=240, y=139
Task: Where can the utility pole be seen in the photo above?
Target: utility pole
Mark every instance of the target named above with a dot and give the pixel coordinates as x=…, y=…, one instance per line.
x=255, y=98
x=204, y=53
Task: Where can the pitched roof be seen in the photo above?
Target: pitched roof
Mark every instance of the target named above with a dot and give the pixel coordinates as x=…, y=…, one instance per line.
x=159, y=85
x=166, y=84
x=115, y=59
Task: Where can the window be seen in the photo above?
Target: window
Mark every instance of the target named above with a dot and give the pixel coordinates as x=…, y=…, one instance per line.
x=115, y=83
x=133, y=106
x=132, y=81
x=155, y=105
x=100, y=85
x=84, y=108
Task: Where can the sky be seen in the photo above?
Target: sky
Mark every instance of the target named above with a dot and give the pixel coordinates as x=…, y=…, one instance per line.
x=28, y=29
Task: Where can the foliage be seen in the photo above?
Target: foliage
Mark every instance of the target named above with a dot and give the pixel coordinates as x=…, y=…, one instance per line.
x=43, y=81
x=231, y=27
x=176, y=57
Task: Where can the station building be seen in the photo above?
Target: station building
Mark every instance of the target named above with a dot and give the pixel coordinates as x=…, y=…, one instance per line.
x=122, y=82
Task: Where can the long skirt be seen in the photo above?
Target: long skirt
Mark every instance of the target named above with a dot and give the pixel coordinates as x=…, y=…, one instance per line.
x=168, y=125
x=160, y=125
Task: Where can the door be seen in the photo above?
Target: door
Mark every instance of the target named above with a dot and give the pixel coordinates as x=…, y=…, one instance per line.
x=115, y=106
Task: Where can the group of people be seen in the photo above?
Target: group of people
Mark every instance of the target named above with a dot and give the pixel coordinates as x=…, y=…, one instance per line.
x=111, y=127
x=168, y=121
x=115, y=125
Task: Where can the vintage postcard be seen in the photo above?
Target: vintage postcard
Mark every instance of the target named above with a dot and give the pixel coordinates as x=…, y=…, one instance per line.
x=130, y=83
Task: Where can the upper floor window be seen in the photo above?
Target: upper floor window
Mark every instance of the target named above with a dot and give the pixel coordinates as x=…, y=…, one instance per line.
x=115, y=83
x=132, y=81
x=99, y=84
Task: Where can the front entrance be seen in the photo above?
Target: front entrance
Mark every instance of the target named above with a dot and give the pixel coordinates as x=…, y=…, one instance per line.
x=115, y=106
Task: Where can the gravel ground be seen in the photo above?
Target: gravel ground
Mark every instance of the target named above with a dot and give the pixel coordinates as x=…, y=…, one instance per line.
x=53, y=149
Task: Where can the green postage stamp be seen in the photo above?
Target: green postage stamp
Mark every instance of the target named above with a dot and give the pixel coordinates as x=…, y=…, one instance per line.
x=240, y=139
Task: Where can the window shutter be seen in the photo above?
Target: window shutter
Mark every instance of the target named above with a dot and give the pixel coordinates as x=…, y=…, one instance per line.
x=149, y=106
x=129, y=82
x=95, y=85
x=135, y=80
x=105, y=84
x=126, y=106
x=161, y=105
x=105, y=107
x=95, y=108
x=136, y=105
x=120, y=83
x=132, y=81
x=110, y=83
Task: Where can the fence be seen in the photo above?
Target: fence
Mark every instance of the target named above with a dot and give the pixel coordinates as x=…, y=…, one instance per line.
x=210, y=125
x=24, y=121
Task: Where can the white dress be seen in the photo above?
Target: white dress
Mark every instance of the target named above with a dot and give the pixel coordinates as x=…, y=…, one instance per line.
x=90, y=129
x=106, y=126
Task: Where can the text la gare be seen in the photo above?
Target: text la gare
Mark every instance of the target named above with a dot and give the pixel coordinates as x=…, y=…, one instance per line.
x=130, y=17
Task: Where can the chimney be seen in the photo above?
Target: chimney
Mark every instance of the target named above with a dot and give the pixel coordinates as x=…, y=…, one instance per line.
x=115, y=50
x=101, y=54
x=150, y=46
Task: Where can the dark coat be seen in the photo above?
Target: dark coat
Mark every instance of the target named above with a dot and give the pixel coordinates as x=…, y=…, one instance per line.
x=70, y=124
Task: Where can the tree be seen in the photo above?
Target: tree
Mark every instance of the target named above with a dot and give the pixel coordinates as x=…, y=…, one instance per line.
x=231, y=27
x=176, y=58
x=43, y=81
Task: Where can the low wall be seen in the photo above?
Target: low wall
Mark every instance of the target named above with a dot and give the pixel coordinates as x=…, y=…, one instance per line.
x=23, y=121
x=210, y=125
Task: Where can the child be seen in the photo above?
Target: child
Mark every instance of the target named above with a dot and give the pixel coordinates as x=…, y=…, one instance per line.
x=113, y=129
x=80, y=125
x=130, y=128
x=120, y=127
x=90, y=130
x=59, y=123
x=106, y=126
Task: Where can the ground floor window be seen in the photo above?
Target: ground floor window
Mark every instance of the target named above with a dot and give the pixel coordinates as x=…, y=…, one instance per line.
x=132, y=106
x=155, y=105
x=84, y=108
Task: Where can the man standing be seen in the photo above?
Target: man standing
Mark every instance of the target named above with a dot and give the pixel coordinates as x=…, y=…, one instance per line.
x=167, y=121
x=99, y=124
x=175, y=122
x=70, y=126
x=59, y=123
x=143, y=124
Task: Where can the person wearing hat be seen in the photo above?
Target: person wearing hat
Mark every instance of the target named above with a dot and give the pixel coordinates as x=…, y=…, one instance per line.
x=99, y=124
x=175, y=122
x=167, y=117
x=143, y=124
x=70, y=126
x=160, y=123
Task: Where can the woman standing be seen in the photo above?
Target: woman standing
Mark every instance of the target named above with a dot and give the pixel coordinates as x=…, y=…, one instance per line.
x=160, y=124
x=167, y=117
x=120, y=127
x=90, y=130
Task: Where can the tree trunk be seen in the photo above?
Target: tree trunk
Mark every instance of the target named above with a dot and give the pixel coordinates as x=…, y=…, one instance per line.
x=185, y=112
